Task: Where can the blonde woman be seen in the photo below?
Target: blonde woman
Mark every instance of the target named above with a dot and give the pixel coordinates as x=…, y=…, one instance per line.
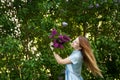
x=82, y=53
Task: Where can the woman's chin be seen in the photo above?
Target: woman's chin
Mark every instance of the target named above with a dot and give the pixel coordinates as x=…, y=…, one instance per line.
x=72, y=46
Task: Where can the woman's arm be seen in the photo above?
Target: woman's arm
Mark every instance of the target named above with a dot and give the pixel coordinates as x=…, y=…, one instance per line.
x=60, y=60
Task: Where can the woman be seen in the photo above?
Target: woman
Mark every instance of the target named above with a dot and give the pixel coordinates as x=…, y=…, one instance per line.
x=82, y=53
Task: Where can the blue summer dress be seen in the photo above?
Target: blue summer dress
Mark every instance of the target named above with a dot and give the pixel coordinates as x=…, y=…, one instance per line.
x=73, y=70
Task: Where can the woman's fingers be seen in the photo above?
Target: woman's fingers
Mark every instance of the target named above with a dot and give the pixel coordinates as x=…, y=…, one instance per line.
x=51, y=43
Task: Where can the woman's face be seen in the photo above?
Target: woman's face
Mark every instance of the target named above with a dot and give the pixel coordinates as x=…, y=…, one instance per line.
x=75, y=43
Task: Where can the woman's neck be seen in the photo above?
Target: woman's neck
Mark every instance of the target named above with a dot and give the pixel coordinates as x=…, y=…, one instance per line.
x=77, y=49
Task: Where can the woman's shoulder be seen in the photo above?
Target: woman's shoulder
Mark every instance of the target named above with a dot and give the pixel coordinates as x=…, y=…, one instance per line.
x=77, y=53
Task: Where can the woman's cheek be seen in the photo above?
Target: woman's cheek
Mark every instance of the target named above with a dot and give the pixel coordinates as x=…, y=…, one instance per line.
x=71, y=44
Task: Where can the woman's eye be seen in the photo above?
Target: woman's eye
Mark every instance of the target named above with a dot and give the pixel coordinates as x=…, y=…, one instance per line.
x=74, y=41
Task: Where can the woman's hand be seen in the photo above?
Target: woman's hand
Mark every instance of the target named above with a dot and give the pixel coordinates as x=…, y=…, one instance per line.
x=60, y=60
x=52, y=48
x=51, y=43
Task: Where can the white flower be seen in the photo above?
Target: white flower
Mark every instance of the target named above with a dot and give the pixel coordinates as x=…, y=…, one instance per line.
x=66, y=0
x=97, y=5
x=90, y=6
x=64, y=24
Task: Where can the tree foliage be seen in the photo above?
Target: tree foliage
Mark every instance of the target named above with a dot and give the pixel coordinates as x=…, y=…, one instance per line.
x=25, y=26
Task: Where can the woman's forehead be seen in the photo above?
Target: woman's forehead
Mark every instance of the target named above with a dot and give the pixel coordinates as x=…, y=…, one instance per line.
x=77, y=39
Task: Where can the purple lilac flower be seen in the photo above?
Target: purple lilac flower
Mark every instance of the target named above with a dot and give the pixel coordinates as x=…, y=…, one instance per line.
x=60, y=36
x=66, y=38
x=97, y=5
x=61, y=46
x=61, y=39
x=55, y=44
x=53, y=33
x=51, y=36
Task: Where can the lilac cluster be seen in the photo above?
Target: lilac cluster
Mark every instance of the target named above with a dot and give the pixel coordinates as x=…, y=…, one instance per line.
x=58, y=40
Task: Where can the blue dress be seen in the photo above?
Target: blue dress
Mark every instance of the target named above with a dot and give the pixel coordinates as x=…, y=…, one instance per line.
x=73, y=70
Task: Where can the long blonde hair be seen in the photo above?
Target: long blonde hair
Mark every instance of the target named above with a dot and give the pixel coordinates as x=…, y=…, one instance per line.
x=88, y=56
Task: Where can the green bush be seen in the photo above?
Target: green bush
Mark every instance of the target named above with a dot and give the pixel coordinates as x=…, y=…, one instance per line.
x=24, y=43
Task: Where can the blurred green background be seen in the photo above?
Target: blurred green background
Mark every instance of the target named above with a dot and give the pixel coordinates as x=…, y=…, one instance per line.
x=25, y=26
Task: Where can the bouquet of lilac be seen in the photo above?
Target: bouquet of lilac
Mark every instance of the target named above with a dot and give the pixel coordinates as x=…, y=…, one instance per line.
x=58, y=40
